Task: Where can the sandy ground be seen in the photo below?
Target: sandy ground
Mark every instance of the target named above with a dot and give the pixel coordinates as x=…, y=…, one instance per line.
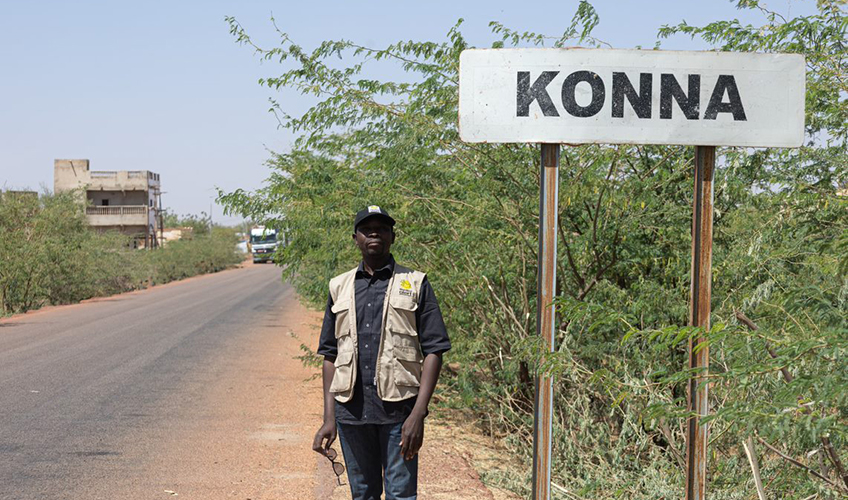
x=248, y=433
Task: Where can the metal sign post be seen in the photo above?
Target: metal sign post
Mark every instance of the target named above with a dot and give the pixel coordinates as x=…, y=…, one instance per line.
x=699, y=315
x=545, y=327
x=601, y=96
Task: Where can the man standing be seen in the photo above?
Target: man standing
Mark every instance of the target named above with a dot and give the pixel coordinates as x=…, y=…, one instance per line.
x=382, y=340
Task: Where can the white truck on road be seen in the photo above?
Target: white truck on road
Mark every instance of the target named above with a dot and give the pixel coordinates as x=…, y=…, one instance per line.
x=263, y=243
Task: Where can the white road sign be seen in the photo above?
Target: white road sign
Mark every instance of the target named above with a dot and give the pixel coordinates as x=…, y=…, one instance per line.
x=577, y=96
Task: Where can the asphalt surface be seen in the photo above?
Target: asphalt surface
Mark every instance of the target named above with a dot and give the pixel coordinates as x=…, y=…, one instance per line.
x=78, y=383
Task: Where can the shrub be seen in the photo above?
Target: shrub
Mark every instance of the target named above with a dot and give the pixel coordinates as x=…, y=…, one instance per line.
x=49, y=255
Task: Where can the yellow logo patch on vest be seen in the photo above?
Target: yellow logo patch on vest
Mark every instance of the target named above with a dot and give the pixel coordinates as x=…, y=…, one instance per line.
x=405, y=288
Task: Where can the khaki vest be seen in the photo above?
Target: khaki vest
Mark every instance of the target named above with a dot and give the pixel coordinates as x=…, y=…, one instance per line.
x=399, y=359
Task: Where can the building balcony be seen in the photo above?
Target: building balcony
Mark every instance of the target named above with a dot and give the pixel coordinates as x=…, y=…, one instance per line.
x=118, y=215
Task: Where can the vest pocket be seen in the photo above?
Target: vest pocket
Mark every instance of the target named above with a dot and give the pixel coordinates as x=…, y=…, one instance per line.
x=343, y=378
x=342, y=311
x=401, y=315
x=407, y=365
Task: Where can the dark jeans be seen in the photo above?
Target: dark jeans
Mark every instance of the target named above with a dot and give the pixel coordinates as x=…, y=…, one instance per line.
x=369, y=450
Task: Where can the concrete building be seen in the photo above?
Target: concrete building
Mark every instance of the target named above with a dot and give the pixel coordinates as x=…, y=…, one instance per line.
x=127, y=201
x=10, y=194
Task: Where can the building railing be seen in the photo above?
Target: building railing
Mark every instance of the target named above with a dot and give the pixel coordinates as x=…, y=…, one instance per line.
x=103, y=174
x=117, y=210
x=131, y=174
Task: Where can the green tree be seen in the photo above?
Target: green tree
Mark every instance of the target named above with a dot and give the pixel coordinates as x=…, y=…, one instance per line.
x=468, y=216
x=199, y=224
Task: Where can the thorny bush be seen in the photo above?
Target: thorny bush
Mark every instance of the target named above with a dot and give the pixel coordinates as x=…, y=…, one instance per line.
x=468, y=216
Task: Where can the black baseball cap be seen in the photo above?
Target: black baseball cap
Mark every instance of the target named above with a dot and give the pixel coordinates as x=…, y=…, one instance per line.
x=372, y=211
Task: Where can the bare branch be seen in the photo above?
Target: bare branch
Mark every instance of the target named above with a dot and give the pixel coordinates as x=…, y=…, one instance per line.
x=797, y=463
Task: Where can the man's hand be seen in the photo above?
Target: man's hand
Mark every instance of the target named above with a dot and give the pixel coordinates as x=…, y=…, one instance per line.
x=327, y=433
x=412, y=435
x=412, y=432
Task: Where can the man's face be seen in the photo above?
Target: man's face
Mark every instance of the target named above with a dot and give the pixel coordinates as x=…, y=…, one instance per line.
x=374, y=237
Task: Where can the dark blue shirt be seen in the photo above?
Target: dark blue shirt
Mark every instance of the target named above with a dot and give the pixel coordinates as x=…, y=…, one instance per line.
x=366, y=407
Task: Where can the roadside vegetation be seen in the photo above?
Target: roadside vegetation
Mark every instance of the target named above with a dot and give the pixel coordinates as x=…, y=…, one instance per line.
x=49, y=255
x=468, y=216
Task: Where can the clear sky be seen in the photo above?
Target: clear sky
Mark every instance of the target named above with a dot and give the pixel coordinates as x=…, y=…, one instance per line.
x=163, y=86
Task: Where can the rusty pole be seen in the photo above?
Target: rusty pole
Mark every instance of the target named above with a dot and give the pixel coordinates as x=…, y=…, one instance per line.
x=546, y=289
x=699, y=315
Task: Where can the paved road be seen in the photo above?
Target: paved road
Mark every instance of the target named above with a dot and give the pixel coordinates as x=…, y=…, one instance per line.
x=76, y=382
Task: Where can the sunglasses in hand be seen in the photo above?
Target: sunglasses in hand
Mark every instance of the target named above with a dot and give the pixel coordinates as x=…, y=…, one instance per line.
x=338, y=467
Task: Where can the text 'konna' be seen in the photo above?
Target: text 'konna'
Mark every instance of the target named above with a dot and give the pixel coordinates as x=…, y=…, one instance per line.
x=723, y=99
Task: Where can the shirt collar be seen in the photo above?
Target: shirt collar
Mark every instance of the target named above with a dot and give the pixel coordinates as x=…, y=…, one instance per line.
x=386, y=270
